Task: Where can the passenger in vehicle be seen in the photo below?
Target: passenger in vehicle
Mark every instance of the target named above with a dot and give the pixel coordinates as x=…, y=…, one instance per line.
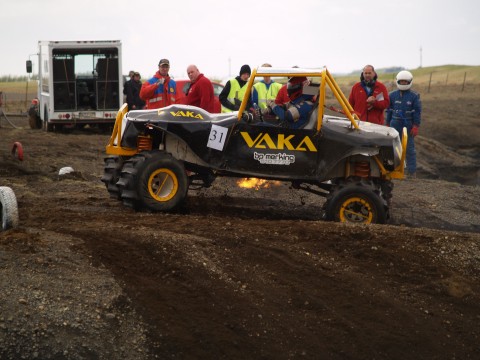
x=294, y=114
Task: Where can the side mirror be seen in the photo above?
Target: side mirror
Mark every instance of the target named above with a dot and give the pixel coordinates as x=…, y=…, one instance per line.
x=29, y=66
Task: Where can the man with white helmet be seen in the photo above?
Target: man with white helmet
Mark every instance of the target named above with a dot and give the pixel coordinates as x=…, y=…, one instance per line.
x=405, y=110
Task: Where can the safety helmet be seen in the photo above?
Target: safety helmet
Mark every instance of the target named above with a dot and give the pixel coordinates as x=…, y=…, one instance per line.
x=404, y=75
x=295, y=86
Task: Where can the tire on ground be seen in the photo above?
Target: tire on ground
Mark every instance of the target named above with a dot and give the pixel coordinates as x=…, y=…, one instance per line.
x=162, y=183
x=356, y=202
x=111, y=173
x=9, y=208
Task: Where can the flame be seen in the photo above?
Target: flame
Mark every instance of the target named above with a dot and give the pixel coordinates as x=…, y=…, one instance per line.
x=255, y=183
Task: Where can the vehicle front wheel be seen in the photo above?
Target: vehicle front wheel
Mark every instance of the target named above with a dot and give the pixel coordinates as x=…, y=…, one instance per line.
x=356, y=202
x=154, y=181
x=163, y=183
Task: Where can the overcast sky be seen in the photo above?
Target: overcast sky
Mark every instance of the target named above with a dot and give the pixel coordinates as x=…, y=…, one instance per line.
x=219, y=36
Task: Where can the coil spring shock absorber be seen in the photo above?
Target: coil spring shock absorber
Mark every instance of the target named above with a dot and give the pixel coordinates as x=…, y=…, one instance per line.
x=144, y=143
x=361, y=169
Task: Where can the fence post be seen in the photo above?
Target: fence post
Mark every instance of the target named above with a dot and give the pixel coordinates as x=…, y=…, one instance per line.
x=464, y=78
x=429, y=82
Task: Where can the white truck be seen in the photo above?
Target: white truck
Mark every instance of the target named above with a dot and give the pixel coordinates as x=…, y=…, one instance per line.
x=79, y=83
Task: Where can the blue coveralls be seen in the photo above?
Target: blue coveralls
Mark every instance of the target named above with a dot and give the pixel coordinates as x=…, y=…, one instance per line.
x=297, y=114
x=405, y=110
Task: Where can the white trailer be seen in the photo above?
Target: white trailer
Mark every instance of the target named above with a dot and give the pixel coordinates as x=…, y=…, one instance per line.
x=79, y=83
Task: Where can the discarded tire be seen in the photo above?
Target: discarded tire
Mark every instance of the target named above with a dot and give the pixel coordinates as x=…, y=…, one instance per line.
x=9, y=208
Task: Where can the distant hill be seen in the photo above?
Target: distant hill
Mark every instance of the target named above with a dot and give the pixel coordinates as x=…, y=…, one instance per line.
x=443, y=74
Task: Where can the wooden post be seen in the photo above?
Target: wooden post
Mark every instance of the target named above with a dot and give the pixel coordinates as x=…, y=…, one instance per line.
x=429, y=82
x=464, y=78
x=446, y=81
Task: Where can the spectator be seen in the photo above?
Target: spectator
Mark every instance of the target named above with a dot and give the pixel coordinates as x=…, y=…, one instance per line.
x=405, y=110
x=160, y=90
x=232, y=94
x=200, y=92
x=130, y=76
x=369, y=97
x=132, y=88
x=264, y=90
x=296, y=112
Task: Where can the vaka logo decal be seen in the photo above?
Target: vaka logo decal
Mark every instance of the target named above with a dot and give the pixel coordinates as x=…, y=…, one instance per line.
x=264, y=141
x=189, y=114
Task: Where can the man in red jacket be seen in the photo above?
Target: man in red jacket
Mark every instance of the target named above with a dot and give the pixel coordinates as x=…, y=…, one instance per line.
x=160, y=90
x=369, y=97
x=200, y=92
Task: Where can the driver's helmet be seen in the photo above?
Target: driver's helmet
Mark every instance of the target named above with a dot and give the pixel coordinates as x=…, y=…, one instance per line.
x=295, y=86
x=404, y=75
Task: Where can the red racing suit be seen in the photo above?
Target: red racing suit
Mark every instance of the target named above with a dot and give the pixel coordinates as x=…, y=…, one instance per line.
x=358, y=100
x=158, y=96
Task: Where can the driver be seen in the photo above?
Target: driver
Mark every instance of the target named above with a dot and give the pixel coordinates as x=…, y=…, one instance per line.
x=295, y=113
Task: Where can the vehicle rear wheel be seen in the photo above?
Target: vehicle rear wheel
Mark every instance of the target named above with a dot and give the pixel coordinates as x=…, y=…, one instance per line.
x=9, y=208
x=356, y=202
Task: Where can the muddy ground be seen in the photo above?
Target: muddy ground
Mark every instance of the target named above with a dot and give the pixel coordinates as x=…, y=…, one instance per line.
x=241, y=273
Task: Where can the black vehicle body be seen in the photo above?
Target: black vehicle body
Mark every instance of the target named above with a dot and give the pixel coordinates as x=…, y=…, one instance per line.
x=256, y=150
x=330, y=155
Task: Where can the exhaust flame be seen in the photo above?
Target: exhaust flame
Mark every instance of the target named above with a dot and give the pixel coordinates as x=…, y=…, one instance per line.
x=257, y=184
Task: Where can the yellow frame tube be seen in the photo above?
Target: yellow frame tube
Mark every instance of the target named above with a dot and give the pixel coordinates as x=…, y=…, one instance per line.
x=111, y=148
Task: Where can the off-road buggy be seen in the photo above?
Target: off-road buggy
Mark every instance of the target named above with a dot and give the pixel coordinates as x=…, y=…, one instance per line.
x=156, y=155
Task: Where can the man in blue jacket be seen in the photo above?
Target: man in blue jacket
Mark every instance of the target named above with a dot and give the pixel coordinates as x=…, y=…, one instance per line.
x=405, y=110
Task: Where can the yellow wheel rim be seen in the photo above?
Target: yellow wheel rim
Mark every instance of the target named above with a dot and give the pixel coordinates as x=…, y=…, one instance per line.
x=162, y=185
x=356, y=210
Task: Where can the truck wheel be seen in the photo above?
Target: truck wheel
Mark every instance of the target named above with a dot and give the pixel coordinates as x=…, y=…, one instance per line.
x=356, y=202
x=9, y=208
x=162, y=183
x=111, y=173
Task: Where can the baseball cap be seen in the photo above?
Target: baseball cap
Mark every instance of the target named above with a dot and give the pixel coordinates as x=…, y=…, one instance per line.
x=164, y=62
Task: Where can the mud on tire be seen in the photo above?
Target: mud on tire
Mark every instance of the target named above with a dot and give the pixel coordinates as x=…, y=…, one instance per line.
x=111, y=173
x=356, y=201
x=153, y=181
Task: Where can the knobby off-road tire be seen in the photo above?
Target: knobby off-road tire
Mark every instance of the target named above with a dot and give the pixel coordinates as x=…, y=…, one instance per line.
x=9, y=208
x=153, y=181
x=356, y=201
x=111, y=174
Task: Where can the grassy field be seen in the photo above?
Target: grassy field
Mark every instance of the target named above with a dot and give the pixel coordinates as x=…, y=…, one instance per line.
x=17, y=95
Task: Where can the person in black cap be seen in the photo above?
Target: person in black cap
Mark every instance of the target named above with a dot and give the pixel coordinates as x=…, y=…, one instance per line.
x=232, y=94
x=160, y=90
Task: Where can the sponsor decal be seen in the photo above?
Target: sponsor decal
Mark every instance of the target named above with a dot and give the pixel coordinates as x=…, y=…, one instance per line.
x=265, y=141
x=274, y=159
x=189, y=114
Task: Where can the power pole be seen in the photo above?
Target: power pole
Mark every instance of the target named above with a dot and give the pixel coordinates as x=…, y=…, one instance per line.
x=420, y=56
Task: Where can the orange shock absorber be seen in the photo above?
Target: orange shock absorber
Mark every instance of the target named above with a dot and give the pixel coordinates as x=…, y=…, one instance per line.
x=144, y=143
x=361, y=168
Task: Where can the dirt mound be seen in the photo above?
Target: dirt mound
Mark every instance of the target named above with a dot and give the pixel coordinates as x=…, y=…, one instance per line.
x=238, y=273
